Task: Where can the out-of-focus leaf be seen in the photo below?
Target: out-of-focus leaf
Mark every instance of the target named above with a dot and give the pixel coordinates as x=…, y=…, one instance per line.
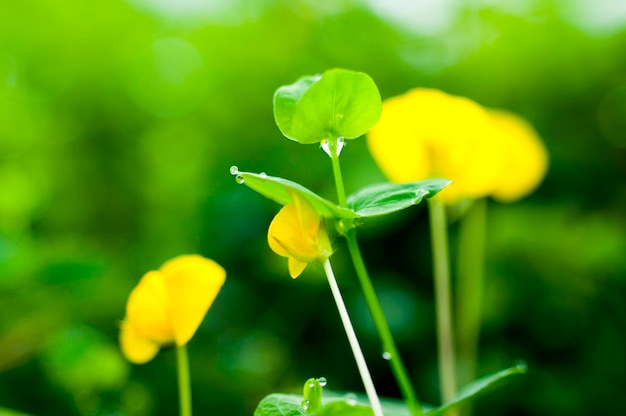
x=479, y=386
x=9, y=412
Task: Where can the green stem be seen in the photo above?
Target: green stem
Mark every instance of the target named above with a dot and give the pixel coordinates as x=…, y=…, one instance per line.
x=333, y=152
x=441, y=266
x=354, y=342
x=184, y=385
x=376, y=311
x=470, y=275
x=373, y=304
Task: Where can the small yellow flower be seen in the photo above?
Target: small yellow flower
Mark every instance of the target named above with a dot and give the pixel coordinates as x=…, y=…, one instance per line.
x=298, y=232
x=525, y=157
x=168, y=305
x=427, y=133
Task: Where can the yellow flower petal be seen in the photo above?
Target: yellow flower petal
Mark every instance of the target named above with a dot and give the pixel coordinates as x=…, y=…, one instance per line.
x=193, y=283
x=147, y=310
x=296, y=267
x=298, y=232
x=135, y=348
x=526, y=157
x=427, y=133
x=287, y=238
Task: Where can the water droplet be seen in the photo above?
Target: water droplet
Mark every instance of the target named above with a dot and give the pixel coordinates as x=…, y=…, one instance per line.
x=263, y=175
x=329, y=147
x=324, y=144
x=387, y=355
x=234, y=170
x=305, y=404
x=340, y=144
x=322, y=381
x=240, y=179
x=350, y=398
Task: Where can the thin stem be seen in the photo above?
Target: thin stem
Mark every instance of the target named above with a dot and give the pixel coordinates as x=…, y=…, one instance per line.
x=441, y=266
x=354, y=343
x=470, y=281
x=184, y=385
x=376, y=311
x=380, y=322
x=334, y=150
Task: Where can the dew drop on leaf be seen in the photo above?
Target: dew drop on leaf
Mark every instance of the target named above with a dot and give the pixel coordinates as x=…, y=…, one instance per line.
x=305, y=404
x=322, y=381
x=234, y=170
x=387, y=355
x=350, y=398
x=239, y=179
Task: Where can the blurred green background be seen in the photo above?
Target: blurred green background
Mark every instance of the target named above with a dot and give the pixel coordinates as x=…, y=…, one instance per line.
x=119, y=121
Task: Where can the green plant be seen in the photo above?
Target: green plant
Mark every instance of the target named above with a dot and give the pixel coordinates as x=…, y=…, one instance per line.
x=329, y=109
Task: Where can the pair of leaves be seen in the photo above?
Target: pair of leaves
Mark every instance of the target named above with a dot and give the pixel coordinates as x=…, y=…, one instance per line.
x=374, y=200
x=291, y=404
x=339, y=103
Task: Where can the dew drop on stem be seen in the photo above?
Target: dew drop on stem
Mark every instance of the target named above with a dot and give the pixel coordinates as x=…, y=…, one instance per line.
x=387, y=355
x=330, y=147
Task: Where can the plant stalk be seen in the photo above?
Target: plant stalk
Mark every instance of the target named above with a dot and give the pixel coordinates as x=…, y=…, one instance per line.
x=354, y=343
x=333, y=152
x=184, y=384
x=441, y=269
x=380, y=322
x=470, y=275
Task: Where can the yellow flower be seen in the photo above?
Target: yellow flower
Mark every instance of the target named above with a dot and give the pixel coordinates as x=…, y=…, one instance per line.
x=298, y=232
x=525, y=158
x=168, y=305
x=427, y=133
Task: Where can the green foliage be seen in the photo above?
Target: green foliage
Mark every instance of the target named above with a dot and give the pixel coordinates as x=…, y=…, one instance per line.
x=386, y=198
x=342, y=408
x=374, y=200
x=477, y=387
x=280, y=404
x=277, y=189
x=339, y=103
x=106, y=157
x=340, y=405
x=312, y=394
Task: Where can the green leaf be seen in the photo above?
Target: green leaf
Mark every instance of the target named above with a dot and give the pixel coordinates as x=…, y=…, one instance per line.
x=312, y=394
x=335, y=404
x=276, y=189
x=286, y=100
x=343, y=408
x=385, y=198
x=280, y=405
x=479, y=386
x=340, y=103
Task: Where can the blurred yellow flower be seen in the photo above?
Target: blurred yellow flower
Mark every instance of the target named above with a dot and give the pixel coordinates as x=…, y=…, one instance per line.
x=298, y=232
x=525, y=157
x=426, y=133
x=168, y=305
